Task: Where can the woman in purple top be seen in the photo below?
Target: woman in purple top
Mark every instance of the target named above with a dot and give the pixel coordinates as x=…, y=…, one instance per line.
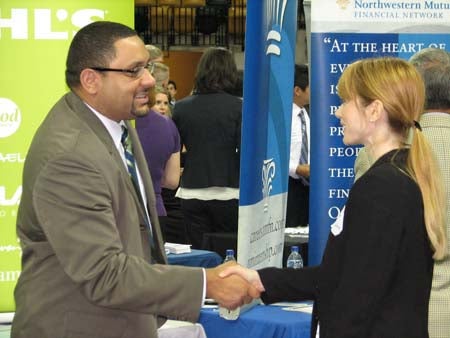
x=161, y=144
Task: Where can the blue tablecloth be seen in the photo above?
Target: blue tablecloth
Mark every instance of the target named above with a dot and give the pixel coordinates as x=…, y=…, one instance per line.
x=261, y=321
x=200, y=258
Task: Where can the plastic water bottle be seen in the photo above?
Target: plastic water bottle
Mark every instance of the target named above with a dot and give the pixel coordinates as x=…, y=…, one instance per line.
x=223, y=312
x=229, y=256
x=294, y=259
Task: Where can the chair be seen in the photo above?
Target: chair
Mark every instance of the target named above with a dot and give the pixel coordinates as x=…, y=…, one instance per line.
x=159, y=19
x=236, y=20
x=184, y=20
x=208, y=20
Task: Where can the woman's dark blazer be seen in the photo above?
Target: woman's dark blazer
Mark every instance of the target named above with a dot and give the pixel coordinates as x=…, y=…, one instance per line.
x=210, y=129
x=375, y=277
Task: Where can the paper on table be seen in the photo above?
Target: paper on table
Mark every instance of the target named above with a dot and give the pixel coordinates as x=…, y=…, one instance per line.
x=297, y=231
x=291, y=306
x=176, y=248
x=306, y=308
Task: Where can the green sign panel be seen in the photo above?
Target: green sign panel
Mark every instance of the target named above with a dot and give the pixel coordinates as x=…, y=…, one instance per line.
x=34, y=38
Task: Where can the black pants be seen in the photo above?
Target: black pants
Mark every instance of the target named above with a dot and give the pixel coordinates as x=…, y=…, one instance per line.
x=297, y=210
x=209, y=216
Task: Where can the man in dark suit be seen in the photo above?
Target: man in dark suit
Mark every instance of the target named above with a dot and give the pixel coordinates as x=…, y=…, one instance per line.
x=93, y=261
x=297, y=210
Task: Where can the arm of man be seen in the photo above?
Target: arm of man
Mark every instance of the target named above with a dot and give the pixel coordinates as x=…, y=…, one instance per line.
x=92, y=225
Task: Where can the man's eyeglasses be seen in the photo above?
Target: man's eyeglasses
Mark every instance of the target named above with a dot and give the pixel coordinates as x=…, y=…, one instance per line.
x=135, y=72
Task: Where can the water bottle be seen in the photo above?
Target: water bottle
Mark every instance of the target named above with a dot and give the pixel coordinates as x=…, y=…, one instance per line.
x=223, y=312
x=294, y=259
x=229, y=255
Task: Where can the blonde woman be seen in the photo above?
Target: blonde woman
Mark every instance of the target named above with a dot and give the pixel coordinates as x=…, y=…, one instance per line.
x=375, y=277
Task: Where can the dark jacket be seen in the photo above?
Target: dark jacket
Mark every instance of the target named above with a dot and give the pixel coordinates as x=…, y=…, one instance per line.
x=375, y=277
x=210, y=129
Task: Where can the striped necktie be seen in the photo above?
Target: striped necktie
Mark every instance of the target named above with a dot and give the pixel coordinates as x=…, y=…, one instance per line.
x=131, y=166
x=304, y=150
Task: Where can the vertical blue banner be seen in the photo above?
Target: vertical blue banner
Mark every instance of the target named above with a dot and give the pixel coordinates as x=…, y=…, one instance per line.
x=344, y=31
x=266, y=127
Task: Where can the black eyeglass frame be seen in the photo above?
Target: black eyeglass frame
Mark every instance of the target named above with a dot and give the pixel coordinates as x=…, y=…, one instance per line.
x=135, y=72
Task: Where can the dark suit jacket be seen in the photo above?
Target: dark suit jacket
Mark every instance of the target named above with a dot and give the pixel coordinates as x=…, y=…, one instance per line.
x=86, y=268
x=375, y=277
x=210, y=128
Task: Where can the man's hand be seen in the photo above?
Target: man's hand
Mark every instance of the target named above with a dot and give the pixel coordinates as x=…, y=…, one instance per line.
x=251, y=276
x=303, y=170
x=231, y=291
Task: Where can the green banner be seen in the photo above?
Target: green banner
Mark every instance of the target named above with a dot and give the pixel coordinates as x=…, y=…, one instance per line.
x=34, y=38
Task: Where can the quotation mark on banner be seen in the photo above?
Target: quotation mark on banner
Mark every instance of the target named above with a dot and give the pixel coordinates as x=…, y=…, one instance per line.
x=326, y=40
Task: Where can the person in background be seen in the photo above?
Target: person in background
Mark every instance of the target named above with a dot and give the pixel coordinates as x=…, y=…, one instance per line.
x=172, y=88
x=161, y=145
x=161, y=74
x=376, y=273
x=239, y=86
x=156, y=54
x=297, y=210
x=434, y=66
x=209, y=122
x=161, y=104
x=93, y=262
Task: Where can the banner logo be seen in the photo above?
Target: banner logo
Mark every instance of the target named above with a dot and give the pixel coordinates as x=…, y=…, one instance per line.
x=268, y=174
x=343, y=3
x=276, y=13
x=10, y=117
x=43, y=19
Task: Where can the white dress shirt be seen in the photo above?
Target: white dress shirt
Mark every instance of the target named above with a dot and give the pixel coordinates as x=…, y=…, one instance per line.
x=296, y=139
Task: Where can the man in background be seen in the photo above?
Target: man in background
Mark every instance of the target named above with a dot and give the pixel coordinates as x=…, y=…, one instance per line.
x=297, y=211
x=434, y=66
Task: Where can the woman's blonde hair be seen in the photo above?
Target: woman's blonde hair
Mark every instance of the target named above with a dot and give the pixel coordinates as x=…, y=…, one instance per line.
x=399, y=86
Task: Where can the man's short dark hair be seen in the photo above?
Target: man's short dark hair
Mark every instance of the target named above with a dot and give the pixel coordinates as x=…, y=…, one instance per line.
x=172, y=82
x=301, y=77
x=93, y=46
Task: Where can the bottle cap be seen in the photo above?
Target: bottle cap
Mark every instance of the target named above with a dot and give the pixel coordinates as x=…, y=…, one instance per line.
x=230, y=252
x=294, y=248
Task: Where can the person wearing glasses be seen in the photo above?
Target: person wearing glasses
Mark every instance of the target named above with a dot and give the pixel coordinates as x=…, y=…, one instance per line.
x=93, y=262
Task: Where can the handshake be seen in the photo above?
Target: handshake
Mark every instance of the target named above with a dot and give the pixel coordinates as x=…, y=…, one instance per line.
x=232, y=285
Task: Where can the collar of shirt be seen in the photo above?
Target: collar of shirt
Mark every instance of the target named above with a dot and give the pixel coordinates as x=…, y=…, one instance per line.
x=114, y=129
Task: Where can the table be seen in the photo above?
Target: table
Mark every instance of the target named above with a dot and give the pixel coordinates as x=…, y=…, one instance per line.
x=262, y=321
x=171, y=329
x=200, y=258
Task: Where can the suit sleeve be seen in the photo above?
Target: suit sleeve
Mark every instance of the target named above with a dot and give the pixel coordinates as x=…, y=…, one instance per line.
x=76, y=210
x=290, y=285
